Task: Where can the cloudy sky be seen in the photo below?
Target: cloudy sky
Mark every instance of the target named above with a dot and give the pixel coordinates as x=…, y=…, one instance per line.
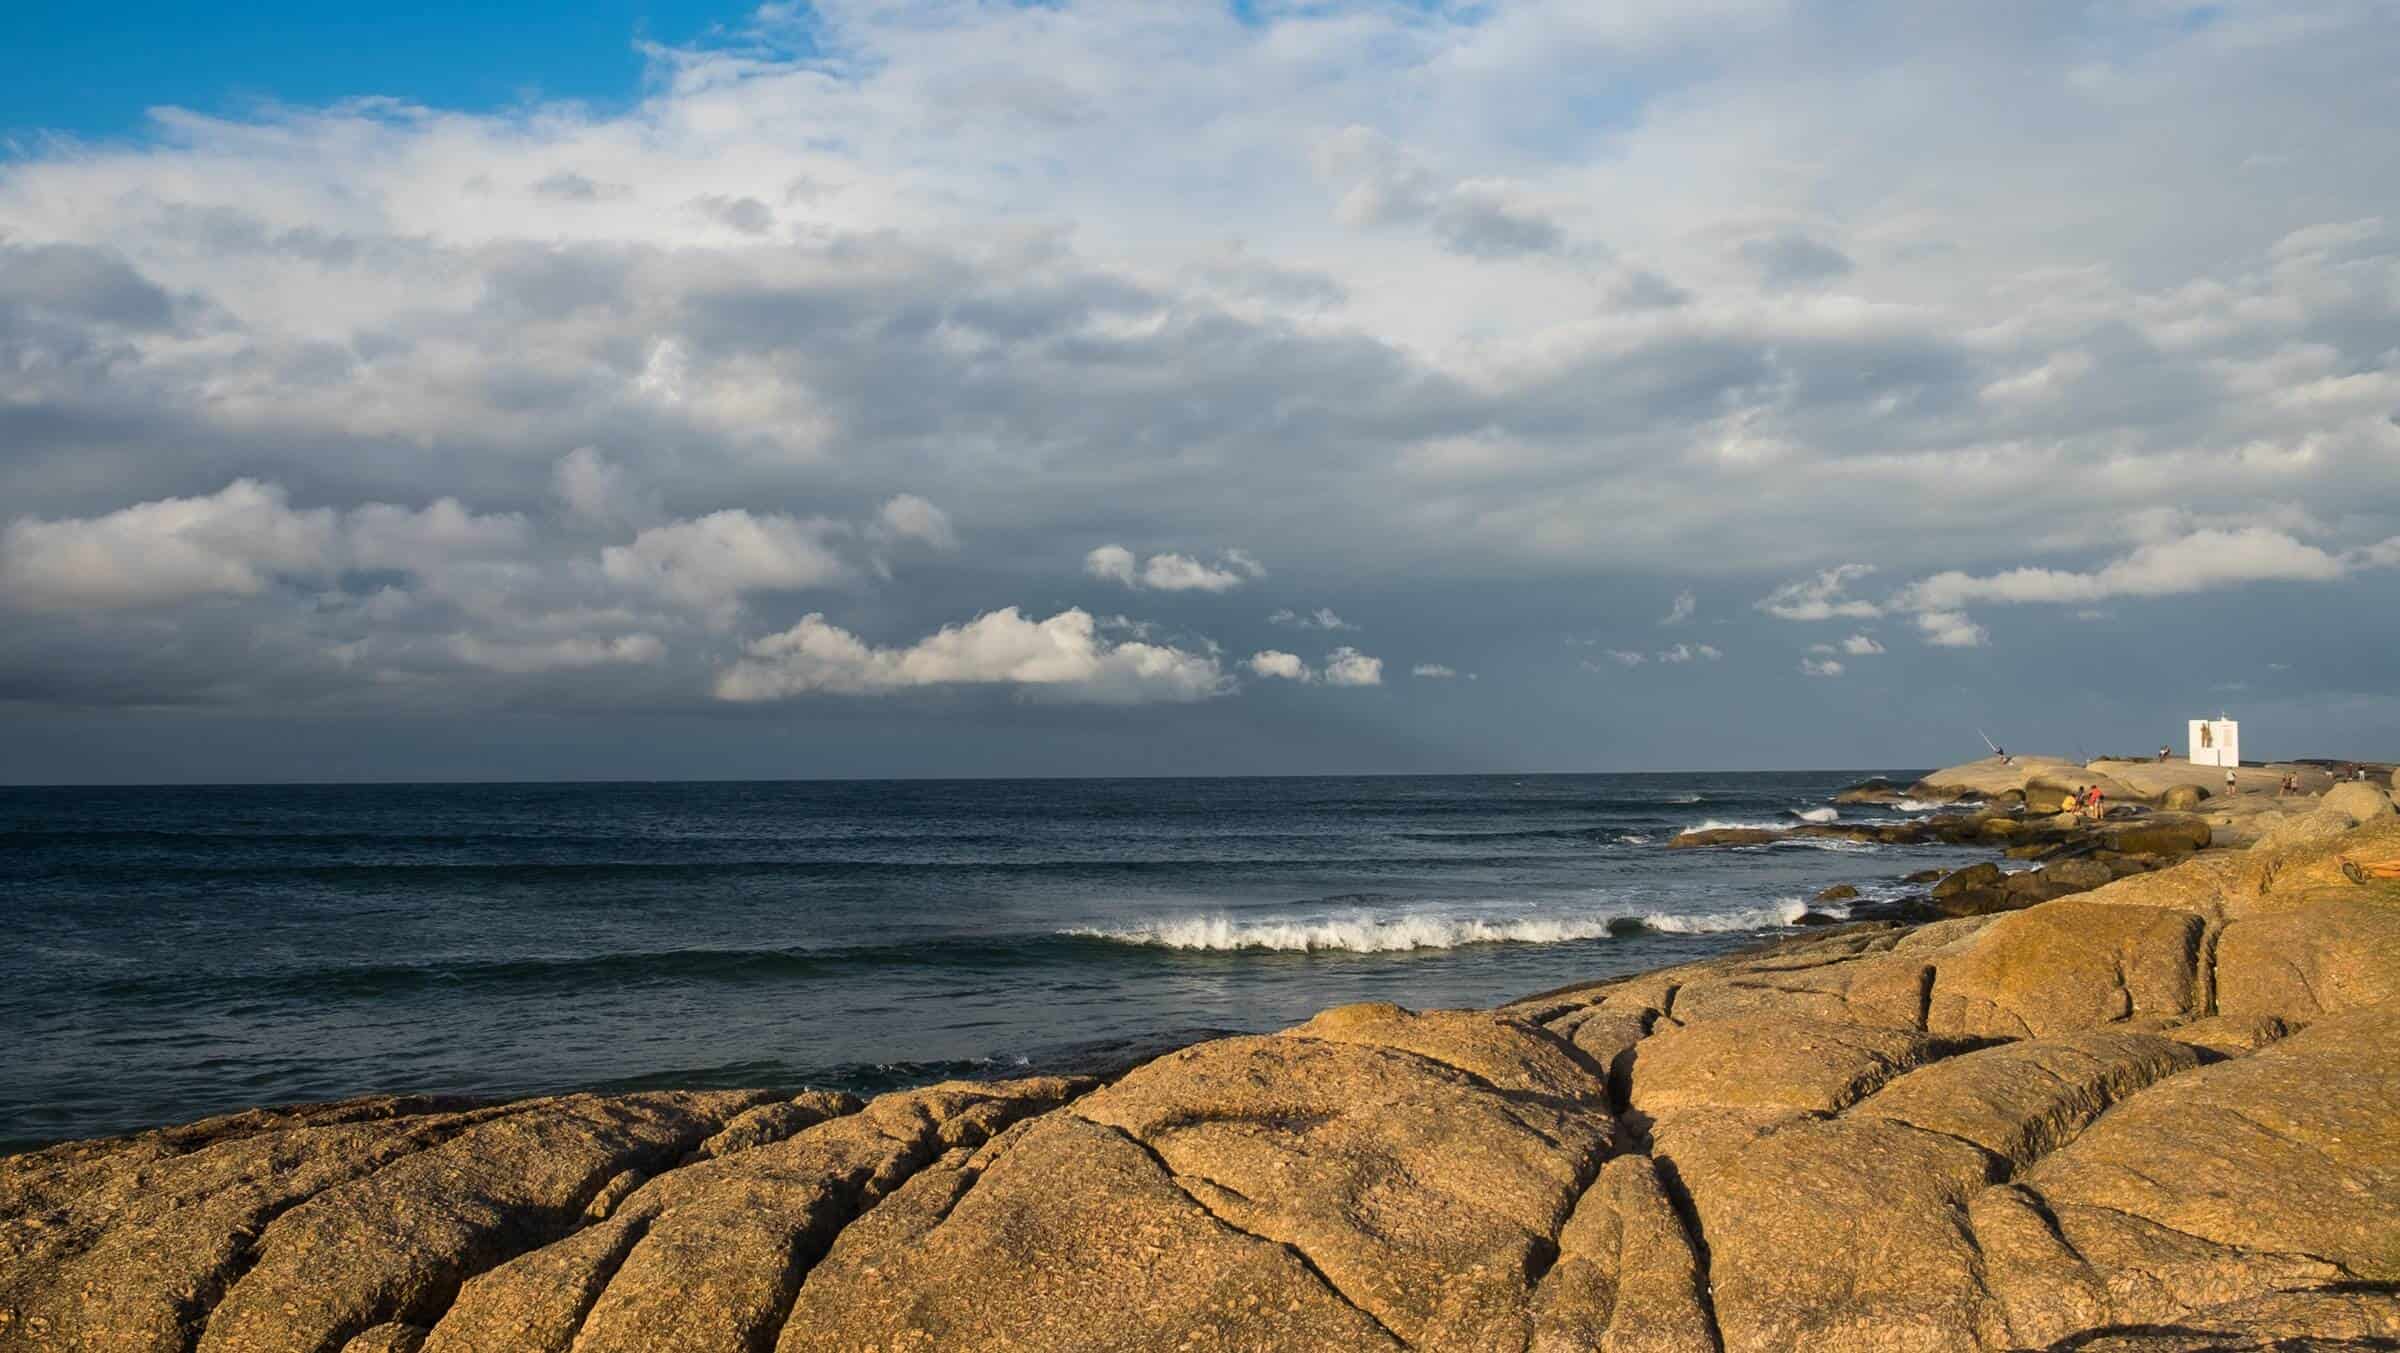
x=1131, y=388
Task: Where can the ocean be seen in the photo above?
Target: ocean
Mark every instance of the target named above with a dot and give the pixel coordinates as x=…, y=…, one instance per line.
x=177, y=952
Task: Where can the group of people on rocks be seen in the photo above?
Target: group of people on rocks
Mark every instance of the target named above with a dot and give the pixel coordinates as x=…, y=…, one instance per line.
x=2088, y=802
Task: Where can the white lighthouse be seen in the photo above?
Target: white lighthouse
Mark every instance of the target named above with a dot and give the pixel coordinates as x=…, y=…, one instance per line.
x=2216, y=742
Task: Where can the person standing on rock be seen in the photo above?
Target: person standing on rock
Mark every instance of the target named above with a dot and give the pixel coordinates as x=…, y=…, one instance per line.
x=2229, y=781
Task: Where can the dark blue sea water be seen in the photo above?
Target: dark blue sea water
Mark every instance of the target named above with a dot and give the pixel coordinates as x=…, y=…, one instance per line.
x=174, y=952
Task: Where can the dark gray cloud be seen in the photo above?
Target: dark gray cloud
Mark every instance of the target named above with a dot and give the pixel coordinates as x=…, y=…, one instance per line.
x=568, y=186
x=1793, y=259
x=1483, y=227
x=745, y=214
x=70, y=284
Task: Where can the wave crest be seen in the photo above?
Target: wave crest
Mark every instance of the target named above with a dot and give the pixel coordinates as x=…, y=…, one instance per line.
x=1783, y=911
x=1401, y=934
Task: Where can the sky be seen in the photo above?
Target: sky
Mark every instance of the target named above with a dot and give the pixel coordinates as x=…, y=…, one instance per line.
x=951, y=388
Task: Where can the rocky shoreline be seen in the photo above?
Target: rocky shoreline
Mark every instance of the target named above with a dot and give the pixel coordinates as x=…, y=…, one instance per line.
x=2146, y=1100
x=2024, y=811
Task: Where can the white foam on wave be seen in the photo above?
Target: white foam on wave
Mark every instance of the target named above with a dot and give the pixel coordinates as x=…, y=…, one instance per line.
x=1719, y=825
x=1815, y=814
x=1833, y=843
x=1356, y=935
x=1915, y=806
x=1369, y=934
x=1783, y=911
x=1633, y=839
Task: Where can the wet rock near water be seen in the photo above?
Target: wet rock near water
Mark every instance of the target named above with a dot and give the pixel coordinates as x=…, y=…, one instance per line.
x=1727, y=836
x=2160, y=1112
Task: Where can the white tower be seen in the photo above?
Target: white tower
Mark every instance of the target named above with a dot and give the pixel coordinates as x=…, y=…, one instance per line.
x=2216, y=742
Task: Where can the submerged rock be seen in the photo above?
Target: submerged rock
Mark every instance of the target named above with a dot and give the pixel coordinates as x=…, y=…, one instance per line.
x=1725, y=836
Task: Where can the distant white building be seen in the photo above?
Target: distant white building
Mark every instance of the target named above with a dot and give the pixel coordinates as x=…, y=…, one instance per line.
x=2216, y=742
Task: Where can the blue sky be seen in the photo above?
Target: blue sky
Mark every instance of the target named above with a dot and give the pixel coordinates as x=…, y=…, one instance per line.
x=968, y=387
x=74, y=75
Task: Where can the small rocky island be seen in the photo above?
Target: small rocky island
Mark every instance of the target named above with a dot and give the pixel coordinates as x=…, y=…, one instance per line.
x=2147, y=1100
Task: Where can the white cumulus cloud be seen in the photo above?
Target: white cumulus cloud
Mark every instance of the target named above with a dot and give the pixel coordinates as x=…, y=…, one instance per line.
x=380, y=535
x=909, y=517
x=233, y=542
x=1823, y=597
x=1063, y=657
x=1346, y=666
x=1322, y=618
x=709, y=563
x=1951, y=629
x=1273, y=662
x=2196, y=562
x=1682, y=610
x=1433, y=671
x=1821, y=667
x=1682, y=653
x=1172, y=572
x=597, y=489
x=1112, y=563
x=1861, y=645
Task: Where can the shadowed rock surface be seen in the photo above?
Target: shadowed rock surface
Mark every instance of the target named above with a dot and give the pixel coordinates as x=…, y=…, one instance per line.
x=2162, y=1113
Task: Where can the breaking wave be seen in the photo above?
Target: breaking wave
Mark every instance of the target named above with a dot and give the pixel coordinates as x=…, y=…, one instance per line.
x=1816, y=814
x=1401, y=934
x=1784, y=911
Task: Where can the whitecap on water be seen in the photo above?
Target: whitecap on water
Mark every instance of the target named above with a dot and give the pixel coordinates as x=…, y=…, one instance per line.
x=1370, y=934
x=1784, y=911
x=1718, y=825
